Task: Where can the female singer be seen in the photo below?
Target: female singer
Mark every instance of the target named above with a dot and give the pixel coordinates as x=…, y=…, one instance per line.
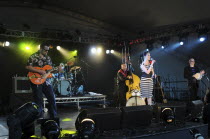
x=146, y=78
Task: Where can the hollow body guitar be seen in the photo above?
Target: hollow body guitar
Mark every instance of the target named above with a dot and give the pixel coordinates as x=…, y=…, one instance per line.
x=36, y=78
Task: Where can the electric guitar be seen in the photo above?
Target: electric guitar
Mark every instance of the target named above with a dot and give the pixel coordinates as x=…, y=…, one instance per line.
x=36, y=78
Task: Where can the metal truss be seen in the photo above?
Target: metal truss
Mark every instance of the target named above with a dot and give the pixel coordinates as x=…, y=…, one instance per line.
x=54, y=35
x=78, y=100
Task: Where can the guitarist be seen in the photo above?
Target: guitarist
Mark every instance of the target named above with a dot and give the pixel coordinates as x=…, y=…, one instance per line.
x=122, y=75
x=40, y=59
x=193, y=83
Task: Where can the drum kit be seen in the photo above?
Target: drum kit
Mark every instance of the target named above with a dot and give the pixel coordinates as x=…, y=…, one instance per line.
x=135, y=99
x=68, y=82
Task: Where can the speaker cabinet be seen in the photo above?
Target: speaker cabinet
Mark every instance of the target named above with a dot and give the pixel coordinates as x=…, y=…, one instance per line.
x=178, y=108
x=136, y=116
x=104, y=118
x=195, y=108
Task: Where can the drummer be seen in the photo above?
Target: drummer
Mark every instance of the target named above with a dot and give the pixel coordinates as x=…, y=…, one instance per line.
x=61, y=73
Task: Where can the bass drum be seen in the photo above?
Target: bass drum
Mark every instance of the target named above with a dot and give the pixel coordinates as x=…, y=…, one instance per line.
x=64, y=88
x=135, y=101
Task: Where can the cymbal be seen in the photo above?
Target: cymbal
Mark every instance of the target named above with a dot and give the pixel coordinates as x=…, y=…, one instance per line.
x=75, y=68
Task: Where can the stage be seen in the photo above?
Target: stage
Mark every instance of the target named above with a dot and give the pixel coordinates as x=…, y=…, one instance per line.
x=68, y=114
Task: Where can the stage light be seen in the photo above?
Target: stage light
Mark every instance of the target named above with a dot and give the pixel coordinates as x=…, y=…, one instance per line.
x=203, y=33
x=164, y=42
x=107, y=51
x=183, y=38
x=196, y=134
x=147, y=50
x=27, y=48
x=202, y=39
x=99, y=50
x=58, y=48
x=6, y=43
x=167, y=115
x=93, y=50
x=86, y=128
x=50, y=129
x=112, y=51
x=22, y=119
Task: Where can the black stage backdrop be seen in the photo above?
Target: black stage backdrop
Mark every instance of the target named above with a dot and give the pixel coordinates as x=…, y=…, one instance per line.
x=99, y=75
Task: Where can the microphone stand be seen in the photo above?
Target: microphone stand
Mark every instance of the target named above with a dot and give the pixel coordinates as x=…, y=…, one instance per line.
x=87, y=68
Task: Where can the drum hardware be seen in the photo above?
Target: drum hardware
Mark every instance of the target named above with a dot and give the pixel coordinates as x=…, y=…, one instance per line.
x=75, y=68
x=68, y=82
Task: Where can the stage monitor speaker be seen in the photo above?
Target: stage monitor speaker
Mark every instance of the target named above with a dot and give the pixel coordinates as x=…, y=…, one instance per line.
x=178, y=108
x=195, y=108
x=104, y=118
x=136, y=116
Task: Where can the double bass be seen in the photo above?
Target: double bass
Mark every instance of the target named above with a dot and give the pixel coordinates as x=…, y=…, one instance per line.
x=134, y=83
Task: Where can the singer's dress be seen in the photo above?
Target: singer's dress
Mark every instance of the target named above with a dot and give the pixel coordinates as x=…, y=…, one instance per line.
x=146, y=84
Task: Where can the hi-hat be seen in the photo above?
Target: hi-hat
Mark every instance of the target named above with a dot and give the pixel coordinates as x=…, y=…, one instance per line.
x=75, y=68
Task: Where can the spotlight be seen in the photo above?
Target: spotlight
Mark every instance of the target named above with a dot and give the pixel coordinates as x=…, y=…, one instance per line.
x=50, y=129
x=107, y=51
x=196, y=134
x=99, y=50
x=112, y=51
x=27, y=48
x=181, y=43
x=22, y=119
x=6, y=43
x=86, y=128
x=164, y=42
x=147, y=50
x=203, y=33
x=167, y=115
x=202, y=39
x=58, y=47
x=93, y=50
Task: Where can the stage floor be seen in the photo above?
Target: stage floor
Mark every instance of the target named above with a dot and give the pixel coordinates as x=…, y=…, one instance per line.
x=69, y=112
x=66, y=112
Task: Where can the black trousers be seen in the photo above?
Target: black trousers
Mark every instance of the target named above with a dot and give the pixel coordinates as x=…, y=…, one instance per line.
x=121, y=95
x=193, y=89
x=47, y=90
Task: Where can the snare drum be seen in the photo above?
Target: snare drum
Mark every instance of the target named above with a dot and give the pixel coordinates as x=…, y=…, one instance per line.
x=135, y=101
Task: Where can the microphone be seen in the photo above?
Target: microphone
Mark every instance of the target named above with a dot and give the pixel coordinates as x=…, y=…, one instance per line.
x=151, y=58
x=150, y=61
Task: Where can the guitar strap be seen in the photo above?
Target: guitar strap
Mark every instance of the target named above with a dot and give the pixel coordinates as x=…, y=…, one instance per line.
x=123, y=73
